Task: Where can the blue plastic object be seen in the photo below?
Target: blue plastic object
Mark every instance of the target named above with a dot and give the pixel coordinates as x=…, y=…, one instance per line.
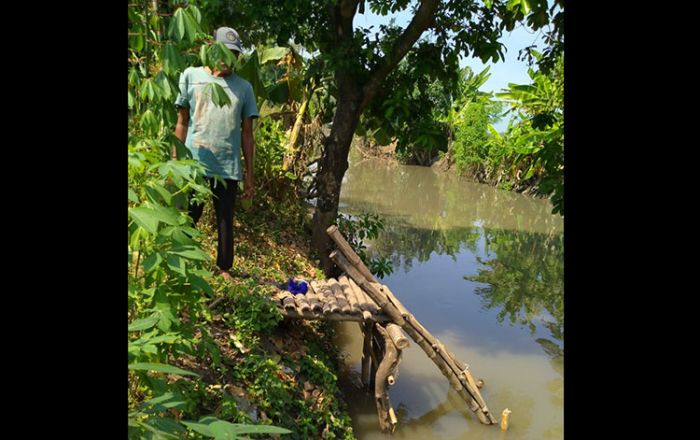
x=298, y=287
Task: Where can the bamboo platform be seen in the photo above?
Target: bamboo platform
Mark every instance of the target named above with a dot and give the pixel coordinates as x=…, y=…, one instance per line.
x=333, y=300
x=384, y=321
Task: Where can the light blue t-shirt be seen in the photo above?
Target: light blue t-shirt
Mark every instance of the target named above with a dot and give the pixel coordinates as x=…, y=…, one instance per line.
x=214, y=133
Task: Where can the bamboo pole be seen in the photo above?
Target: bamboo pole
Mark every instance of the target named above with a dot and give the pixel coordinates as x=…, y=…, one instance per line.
x=302, y=303
x=349, y=294
x=327, y=298
x=281, y=295
x=340, y=298
x=366, y=303
x=375, y=295
x=420, y=335
x=288, y=302
x=314, y=303
x=397, y=336
x=345, y=248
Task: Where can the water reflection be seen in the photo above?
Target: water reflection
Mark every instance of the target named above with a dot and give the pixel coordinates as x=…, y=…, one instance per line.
x=482, y=269
x=523, y=280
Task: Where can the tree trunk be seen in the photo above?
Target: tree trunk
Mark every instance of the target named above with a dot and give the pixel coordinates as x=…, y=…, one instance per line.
x=332, y=167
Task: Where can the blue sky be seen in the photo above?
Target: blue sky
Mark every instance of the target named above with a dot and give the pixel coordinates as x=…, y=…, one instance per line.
x=503, y=72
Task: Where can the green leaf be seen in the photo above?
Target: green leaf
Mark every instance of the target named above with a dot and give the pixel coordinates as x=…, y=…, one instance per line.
x=512, y=4
x=177, y=264
x=152, y=261
x=381, y=137
x=161, y=368
x=525, y=6
x=158, y=193
x=136, y=43
x=190, y=27
x=130, y=100
x=167, y=426
x=195, y=13
x=190, y=252
x=148, y=121
x=180, y=23
x=251, y=72
x=133, y=77
x=222, y=429
x=203, y=55
x=273, y=54
x=132, y=196
x=219, y=95
x=168, y=215
x=145, y=323
x=278, y=93
x=199, y=428
x=146, y=218
x=200, y=283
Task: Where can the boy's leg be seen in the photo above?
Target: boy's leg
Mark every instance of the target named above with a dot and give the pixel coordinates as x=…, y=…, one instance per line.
x=224, y=199
x=196, y=209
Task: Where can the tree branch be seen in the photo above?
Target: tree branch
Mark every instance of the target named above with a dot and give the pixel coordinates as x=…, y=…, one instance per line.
x=420, y=22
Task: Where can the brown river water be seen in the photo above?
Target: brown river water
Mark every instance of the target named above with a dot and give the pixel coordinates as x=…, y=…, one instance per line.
x=482, y=269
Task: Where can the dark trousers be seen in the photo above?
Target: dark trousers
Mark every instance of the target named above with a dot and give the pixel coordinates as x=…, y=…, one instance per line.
x=224, y=198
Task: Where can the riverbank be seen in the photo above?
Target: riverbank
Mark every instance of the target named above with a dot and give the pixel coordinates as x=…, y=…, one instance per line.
x=446, y=164
x=269, y=370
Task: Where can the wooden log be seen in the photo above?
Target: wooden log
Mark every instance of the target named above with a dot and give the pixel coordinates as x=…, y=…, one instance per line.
x=349, y=294
x=420, y=335
x=385, y=367
x=340, y=298
x=397, y=336
x=345, y=248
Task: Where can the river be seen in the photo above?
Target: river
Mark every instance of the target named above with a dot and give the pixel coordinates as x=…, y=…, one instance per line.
x=482, y=269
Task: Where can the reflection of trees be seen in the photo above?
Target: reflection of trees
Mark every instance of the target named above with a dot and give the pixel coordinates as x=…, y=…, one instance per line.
x=406, y=243
x=525, y=279
x=427, y=212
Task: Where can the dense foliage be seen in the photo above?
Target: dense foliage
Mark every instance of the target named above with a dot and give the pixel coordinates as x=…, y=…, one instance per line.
x=183, y=355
